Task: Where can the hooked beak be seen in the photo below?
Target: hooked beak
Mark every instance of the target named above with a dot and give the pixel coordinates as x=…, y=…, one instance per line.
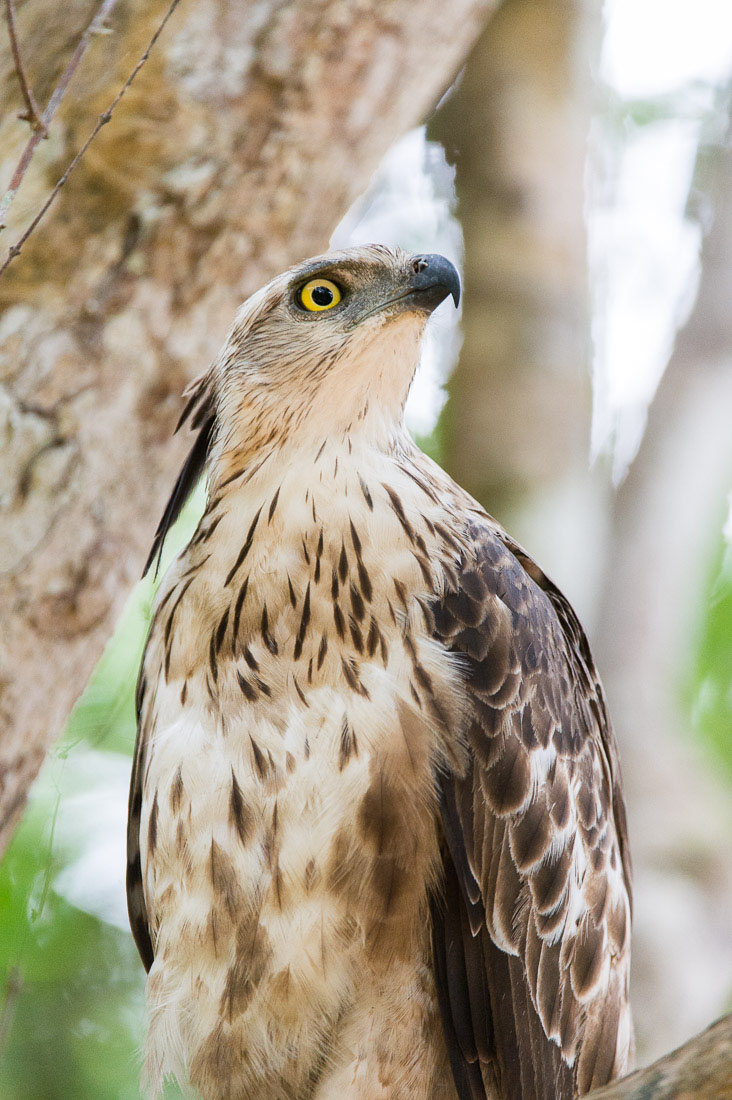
x=433, y=279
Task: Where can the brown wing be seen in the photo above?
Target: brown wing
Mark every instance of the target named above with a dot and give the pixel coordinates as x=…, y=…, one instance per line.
x=200, y=414
x=135, y=894
x=531, y=933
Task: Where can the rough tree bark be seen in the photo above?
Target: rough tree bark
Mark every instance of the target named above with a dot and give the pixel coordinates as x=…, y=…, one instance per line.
x=699, y=1070
x=518, y=419
x=246, y=136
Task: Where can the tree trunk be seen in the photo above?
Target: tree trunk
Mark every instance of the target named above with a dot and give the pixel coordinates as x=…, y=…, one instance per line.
x=235, y=153
x=518, y=420
x=517, y=432
x=665, y=515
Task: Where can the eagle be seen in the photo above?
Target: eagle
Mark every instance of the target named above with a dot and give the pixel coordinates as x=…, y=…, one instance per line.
x=377, y=843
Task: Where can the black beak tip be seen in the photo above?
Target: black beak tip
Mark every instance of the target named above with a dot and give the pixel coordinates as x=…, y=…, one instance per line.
x=432, y=270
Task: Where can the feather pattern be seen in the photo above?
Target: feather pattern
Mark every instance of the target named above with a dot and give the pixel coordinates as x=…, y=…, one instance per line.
x=537, y=872
x=200, y=413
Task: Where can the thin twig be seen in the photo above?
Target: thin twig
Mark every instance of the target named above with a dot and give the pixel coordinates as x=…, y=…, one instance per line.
x=31, y=114
x=95, y=27
x=101, y=121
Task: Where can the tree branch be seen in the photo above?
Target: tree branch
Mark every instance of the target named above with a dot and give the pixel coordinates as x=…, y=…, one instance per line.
x=41, y=128
x=699, y=1070
x=32, y=113
x=103, y=119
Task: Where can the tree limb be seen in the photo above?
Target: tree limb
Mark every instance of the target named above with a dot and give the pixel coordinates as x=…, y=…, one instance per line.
x=699, y=1070
x=32, y=113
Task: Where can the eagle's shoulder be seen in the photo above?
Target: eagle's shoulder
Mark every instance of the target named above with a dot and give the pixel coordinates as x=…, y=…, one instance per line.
x=510, y=621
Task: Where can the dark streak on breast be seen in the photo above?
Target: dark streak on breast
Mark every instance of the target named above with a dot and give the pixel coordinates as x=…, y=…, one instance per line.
x=213, y=663
x=268, y=639
x=273, y=505
x=423, y=485
x=304, y=622
x=318, y=556
x=356, y=635
x=300, y=692
x=205, y=533
x=398, y=509
x=349, y=744
x=176, y=790
x=245, y=548
x=401, y=593
x=350, y=671
x=237, y=608
x=366, y=493
x=152, y=828
x=357, y=604
x=355, y=539
x=239, y=814
x=169, y=623
x=259, y=761
x=246, y=688
x=364, y=581
x=221, y=630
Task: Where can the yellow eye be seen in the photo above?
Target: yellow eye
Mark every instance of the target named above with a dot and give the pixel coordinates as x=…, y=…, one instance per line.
x=319, y=294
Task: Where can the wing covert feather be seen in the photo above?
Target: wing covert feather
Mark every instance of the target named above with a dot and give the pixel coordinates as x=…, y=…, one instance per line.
x=535, y=836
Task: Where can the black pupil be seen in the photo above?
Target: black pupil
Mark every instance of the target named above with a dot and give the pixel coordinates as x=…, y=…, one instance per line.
x=322, y=296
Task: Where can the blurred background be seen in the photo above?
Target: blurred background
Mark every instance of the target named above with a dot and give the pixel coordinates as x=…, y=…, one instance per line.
x=580, y=174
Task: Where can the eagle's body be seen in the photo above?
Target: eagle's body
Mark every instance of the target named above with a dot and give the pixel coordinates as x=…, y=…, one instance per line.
x=375, y=822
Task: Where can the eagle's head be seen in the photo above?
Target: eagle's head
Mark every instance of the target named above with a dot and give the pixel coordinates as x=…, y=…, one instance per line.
x=328, y=347
x=324, y=353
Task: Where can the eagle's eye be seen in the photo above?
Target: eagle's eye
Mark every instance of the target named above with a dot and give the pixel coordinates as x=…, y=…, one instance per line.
x=319, y=294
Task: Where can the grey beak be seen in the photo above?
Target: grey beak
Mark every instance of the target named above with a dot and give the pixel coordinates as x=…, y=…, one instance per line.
x=434, y=279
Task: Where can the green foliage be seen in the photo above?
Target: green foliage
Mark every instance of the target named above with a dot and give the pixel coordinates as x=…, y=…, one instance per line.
x=73, y=1005
x=431, y=444
x=72, y=1013
x=709, y=692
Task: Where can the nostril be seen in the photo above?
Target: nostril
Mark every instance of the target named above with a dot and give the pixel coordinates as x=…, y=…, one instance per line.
x=418, y=265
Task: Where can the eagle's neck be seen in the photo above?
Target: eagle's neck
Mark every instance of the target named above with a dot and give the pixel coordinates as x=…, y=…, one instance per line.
x=351, y=403
x=283, y=536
